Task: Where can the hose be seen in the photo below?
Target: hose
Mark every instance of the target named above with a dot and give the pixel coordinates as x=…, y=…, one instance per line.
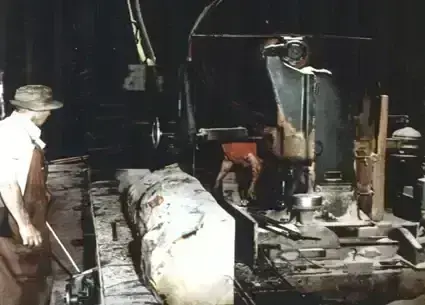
x=145, y=37
x=141, y=53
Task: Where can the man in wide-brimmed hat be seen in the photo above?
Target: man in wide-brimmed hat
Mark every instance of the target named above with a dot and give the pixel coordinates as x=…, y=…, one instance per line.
x=25, y=265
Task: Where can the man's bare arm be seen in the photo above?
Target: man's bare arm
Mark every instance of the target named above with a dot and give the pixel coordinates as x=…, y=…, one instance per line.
x=12, y=198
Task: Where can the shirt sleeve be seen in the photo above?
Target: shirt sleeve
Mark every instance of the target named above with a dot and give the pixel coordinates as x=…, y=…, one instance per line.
x=12, y=154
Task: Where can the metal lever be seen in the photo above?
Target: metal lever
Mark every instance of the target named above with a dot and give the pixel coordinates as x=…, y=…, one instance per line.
x=63, y=248
x=80, y=288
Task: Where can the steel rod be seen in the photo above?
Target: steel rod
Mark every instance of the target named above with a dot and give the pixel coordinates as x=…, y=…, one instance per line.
x=63, y=248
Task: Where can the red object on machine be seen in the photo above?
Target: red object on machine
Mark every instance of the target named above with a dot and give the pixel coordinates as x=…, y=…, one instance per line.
x=238, y=152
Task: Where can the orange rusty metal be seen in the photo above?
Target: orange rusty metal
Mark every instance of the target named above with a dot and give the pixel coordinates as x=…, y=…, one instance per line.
x=238, y=152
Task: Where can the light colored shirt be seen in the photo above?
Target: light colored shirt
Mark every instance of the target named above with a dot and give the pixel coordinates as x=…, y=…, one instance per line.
x=18, y=137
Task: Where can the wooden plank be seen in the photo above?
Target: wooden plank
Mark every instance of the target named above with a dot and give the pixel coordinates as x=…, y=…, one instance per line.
x=378, y=175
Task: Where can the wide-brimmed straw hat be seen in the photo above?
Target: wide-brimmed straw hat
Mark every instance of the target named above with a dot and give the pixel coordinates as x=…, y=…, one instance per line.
x=35, y=98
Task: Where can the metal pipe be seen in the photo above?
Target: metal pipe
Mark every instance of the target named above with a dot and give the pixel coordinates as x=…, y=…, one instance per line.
x=202, y=15
x=63, y=248
x=69, y=160
x=216, y=35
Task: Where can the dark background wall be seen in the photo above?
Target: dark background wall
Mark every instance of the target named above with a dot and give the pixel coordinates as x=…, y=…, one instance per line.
x=3, y=11
x=47, y=43
x=82, y=48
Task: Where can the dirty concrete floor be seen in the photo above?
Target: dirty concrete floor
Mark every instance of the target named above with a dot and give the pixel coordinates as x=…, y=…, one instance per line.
x=68, y=184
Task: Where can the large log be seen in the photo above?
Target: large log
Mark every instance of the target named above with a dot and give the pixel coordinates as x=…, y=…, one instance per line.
x=187, y=239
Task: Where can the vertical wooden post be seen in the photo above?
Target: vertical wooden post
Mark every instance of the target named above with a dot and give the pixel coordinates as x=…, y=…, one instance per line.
x=364, y=147
x=378, y=182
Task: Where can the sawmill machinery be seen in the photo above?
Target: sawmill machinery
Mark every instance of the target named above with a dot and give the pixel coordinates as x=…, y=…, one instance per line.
x=337, y=240
x=337, y=234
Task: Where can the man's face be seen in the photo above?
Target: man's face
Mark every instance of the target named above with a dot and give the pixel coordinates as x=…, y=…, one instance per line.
x=40, y=117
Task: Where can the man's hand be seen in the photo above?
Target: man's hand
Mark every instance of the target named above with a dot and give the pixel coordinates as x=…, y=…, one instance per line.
x=11, y=194
x=31, y=237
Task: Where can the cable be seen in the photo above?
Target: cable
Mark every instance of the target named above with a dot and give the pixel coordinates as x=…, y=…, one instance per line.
x=198, y=21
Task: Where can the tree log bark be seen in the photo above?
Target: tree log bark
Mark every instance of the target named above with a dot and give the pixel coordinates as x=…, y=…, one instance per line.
x=187, y=239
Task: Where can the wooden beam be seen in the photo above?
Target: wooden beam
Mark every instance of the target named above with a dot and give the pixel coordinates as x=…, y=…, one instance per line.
x=378, y=175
